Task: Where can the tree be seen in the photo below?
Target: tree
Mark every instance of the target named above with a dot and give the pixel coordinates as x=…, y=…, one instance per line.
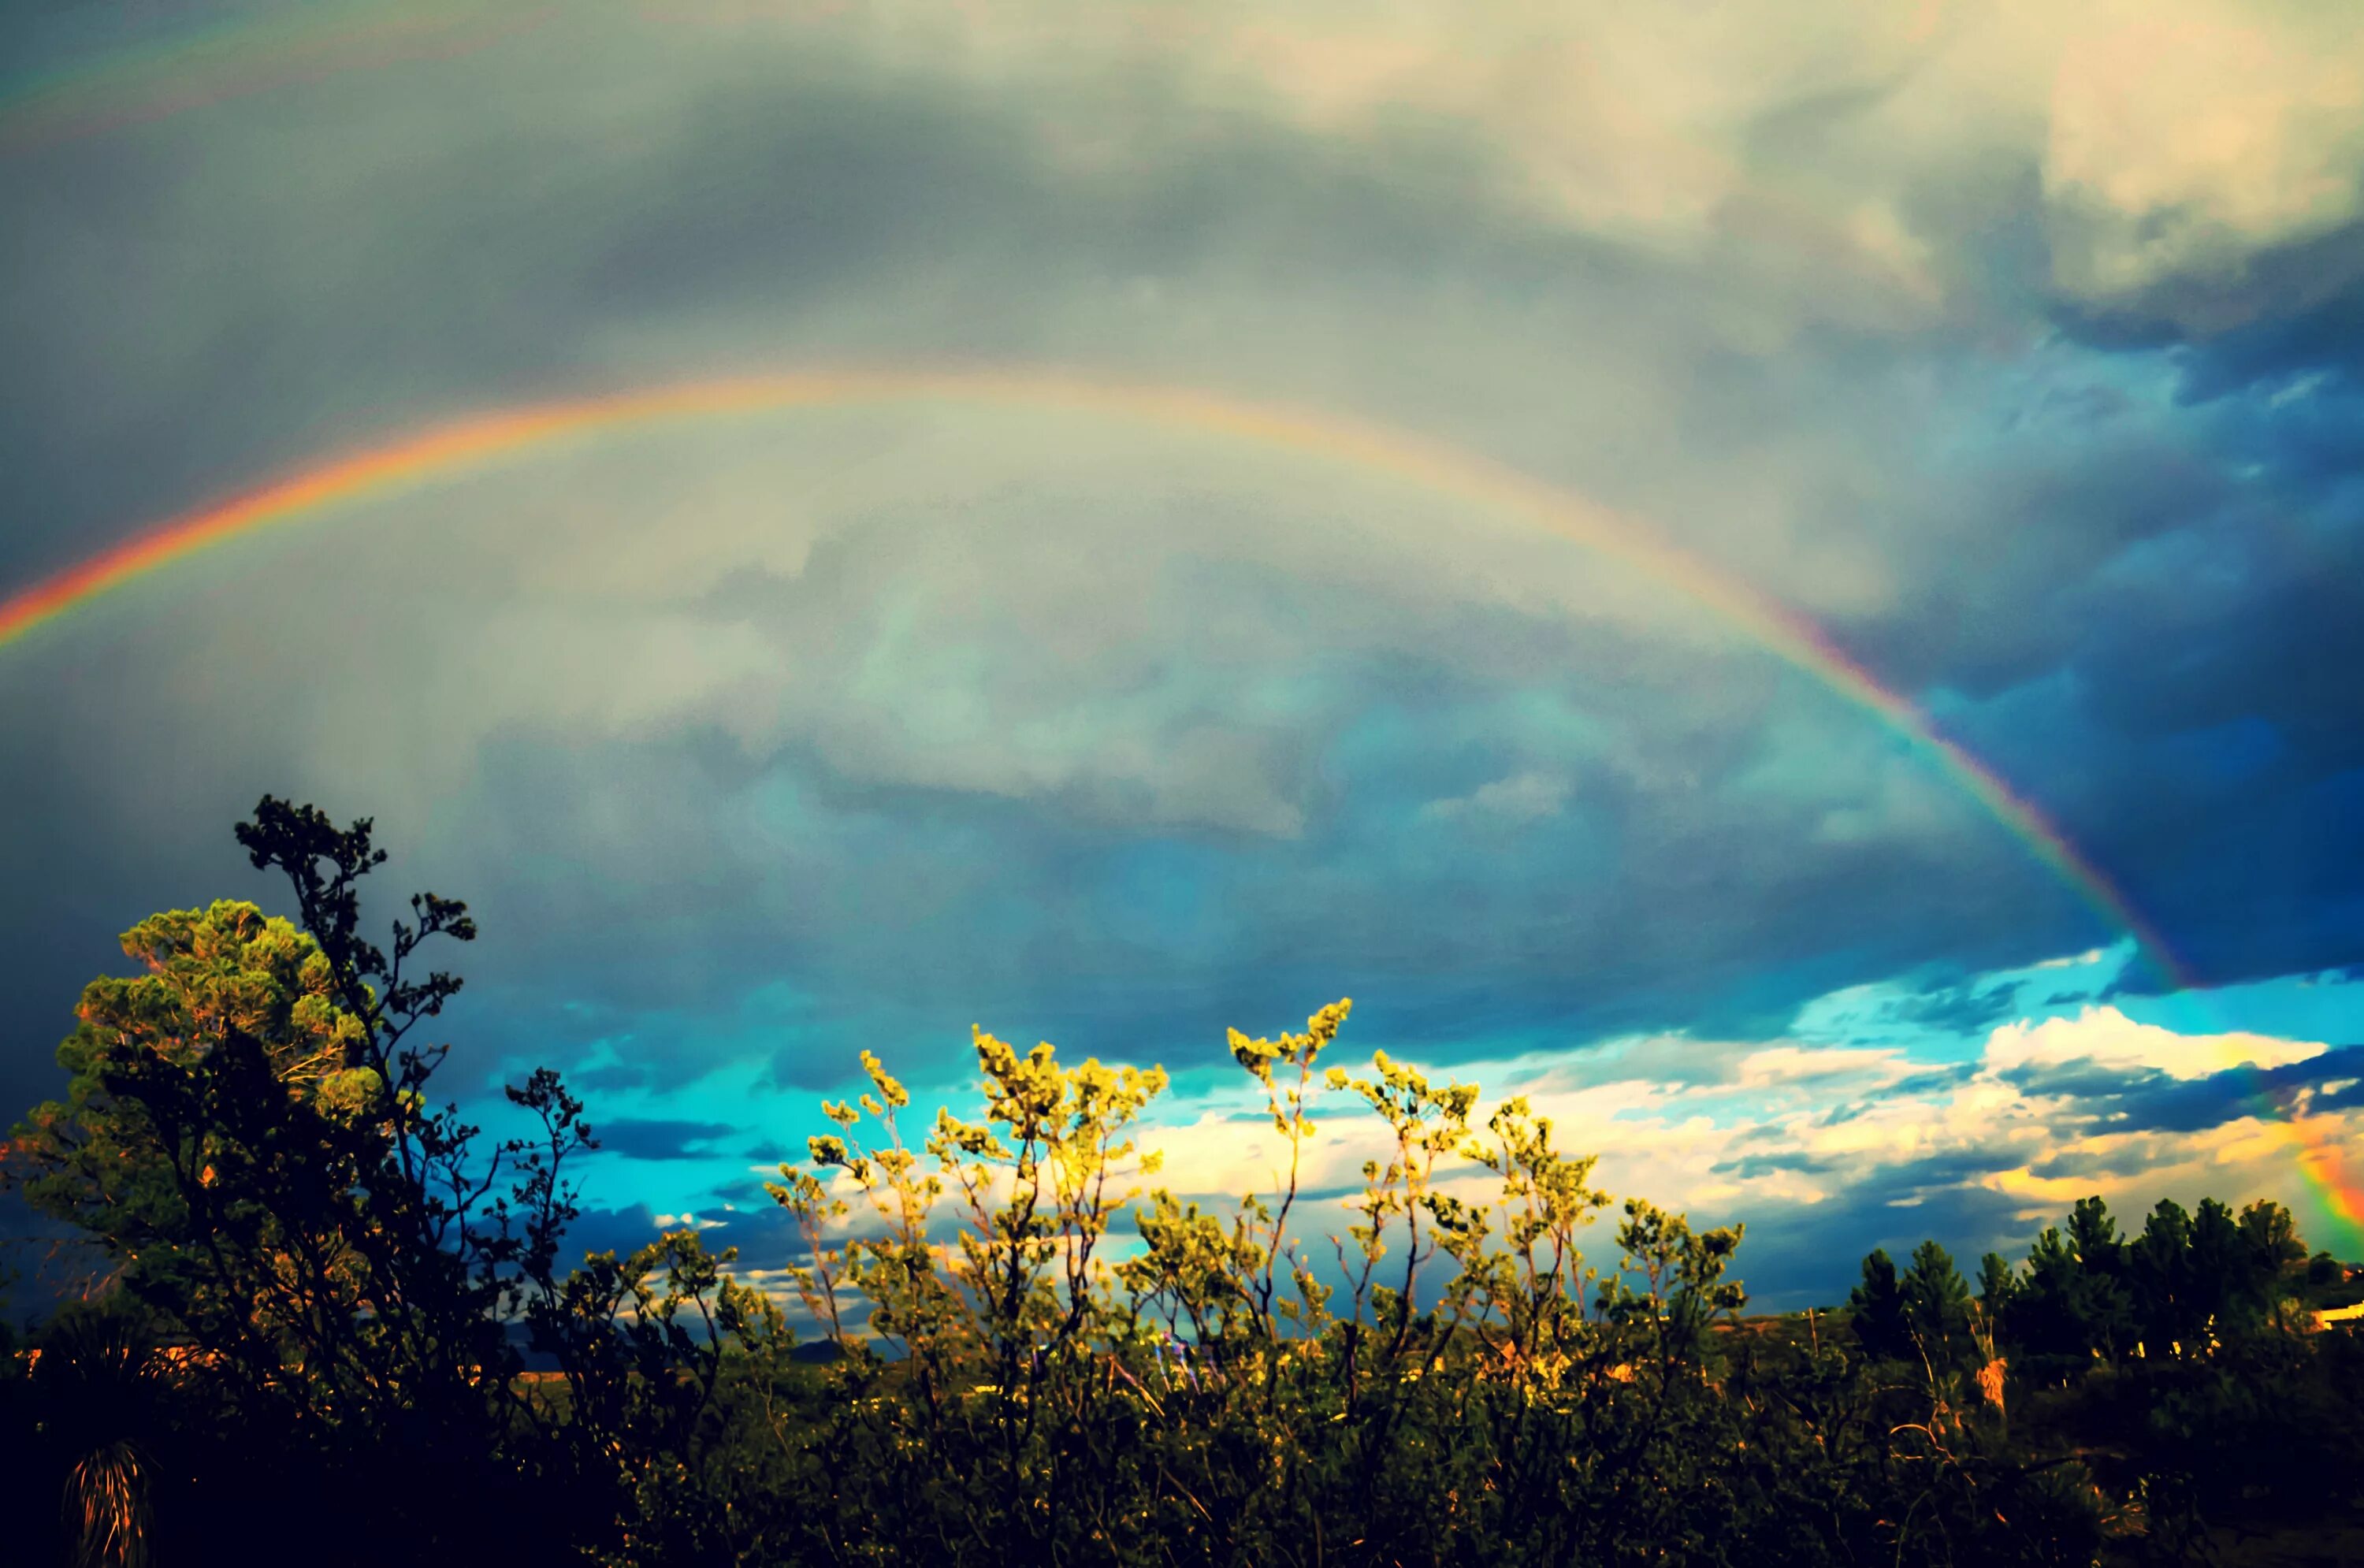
x=2048, y=1311
x=2206, y=1275
x=2270, y=1237
x=2167, y=1313
x=246, y=1132
x=2093, y=1236
x=227, y=1138
x=1997, y=1286
x=2102, y=1304
x=227, y=993
x=1877, y=1310
x=1936, y=1304
x=2222, y=1275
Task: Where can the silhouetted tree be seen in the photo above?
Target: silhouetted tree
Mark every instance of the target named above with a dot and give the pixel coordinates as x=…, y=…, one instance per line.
x=2165, y=1296
x=2049, y=1310
x=1937, y=1307
x=246, y=1133
x=2269, y=1235
x=1877, y=1310
x=2228, y=1296
x=2103, y=1305
x=1997, y=1286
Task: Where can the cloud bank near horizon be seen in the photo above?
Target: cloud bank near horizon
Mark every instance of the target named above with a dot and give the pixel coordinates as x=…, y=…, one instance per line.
x=1884, y=1115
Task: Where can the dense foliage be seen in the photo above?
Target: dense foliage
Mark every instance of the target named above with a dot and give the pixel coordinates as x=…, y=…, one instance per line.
x=1020, y=1350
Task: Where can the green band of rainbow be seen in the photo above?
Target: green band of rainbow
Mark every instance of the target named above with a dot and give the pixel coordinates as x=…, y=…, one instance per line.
x=1368, y=447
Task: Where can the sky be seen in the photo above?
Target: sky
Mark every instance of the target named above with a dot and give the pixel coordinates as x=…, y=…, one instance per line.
x=2011, y=355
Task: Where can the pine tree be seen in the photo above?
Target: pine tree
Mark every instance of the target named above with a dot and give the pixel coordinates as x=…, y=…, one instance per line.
x=1877, y=1310
x=2102, y=1304
x=1937, y=1306
x=1997, y=1286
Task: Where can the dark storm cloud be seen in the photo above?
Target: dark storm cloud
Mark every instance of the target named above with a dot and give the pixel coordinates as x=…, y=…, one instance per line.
x=2286, y=308
x=2275, y=362
x=2156, y=1102
x=202, y=303
x=661, y=1138
x=1750, y=1167
x=620, y=1230
x=606, y=1075
x=1959, y=1009
x=892, y=948
x=2083, y=1165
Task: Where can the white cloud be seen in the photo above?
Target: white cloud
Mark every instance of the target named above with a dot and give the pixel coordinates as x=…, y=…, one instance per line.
x=2107, y=1038
x=1527, y=797
x=1799, y=1065
x=2183, y=137
x=2173, y=136
x=1819, y=1125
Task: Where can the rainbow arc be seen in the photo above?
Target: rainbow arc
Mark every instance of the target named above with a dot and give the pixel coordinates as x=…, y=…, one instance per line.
x=454, y=447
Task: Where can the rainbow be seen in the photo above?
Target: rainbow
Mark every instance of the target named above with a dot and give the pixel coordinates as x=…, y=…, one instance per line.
x=196, y=68
x=1374, y=448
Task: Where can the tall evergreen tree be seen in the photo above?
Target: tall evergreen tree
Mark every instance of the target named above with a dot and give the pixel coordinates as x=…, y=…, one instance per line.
x=2048, y=1311
x=246, y=1132
x=1997, y=1286
x=2103, y=1307
x=2226, y=1298
x=2168, y=1313
x=1877, y=1311
x=1937, y=1306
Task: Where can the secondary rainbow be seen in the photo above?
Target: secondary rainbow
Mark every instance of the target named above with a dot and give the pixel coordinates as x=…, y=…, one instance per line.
x=444, y=448
x=198, y=67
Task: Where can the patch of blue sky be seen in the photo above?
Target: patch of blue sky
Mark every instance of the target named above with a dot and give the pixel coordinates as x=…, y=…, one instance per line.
x=2328, y=1008
x=765, y=1123
x=1932, y=1020
x=2060, y=385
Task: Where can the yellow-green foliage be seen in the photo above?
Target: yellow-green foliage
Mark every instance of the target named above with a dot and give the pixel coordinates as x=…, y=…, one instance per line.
x=1212, y=1384
x=212, y=973
x=230, y=1001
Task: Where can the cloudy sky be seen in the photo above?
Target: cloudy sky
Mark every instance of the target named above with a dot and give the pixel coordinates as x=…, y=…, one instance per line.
x=2018, y=349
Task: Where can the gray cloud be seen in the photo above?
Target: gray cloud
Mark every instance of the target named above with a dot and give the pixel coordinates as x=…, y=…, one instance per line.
x=660, y=1138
